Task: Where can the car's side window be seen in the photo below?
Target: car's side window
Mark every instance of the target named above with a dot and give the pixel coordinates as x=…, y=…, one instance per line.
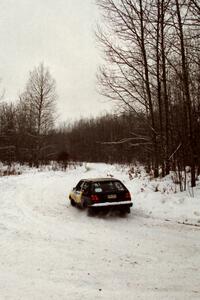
x=85, y=187
x=79, y=185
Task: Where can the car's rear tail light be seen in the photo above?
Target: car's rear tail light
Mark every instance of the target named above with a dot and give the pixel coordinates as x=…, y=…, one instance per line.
x=94, y=198
x=127, y=196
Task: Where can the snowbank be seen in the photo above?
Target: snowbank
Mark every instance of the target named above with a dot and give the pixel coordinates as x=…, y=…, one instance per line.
x=155, y=198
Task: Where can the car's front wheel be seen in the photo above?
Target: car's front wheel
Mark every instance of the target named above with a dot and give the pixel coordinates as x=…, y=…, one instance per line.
x=73, y=203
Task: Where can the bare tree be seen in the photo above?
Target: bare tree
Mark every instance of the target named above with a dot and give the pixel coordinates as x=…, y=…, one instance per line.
x=130, y=77
x=40, y=95
x=39, y=101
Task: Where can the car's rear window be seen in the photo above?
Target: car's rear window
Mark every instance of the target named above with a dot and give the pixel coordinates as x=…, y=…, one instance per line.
x=107, y=186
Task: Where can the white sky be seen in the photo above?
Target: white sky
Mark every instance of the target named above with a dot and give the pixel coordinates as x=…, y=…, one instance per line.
x=59, y=33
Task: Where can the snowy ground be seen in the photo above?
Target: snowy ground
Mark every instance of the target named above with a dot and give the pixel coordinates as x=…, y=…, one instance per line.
x=50, y=250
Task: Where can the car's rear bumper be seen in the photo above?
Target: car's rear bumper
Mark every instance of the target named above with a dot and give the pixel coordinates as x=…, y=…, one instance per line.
x=118, y=204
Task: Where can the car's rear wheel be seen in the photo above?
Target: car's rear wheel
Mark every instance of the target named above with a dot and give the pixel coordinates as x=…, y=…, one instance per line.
x=125, y=210
x=84, y=205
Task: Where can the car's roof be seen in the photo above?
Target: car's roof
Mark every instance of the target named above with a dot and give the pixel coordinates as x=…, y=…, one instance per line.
x=100, y=179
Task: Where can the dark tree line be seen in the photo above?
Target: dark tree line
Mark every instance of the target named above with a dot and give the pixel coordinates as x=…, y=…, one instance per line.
x=102, y=139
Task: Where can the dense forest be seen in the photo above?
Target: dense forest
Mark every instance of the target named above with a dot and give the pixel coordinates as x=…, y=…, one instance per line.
x=152, y=68
x=152, y=75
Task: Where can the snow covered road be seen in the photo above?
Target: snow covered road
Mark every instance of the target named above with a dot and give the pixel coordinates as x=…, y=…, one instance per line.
x=50, y=250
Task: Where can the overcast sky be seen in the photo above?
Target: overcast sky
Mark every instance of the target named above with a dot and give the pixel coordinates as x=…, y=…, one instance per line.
x=59, y=33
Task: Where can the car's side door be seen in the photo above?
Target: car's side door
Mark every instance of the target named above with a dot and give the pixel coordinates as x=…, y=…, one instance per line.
x=85, y=193
x=78, y=192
